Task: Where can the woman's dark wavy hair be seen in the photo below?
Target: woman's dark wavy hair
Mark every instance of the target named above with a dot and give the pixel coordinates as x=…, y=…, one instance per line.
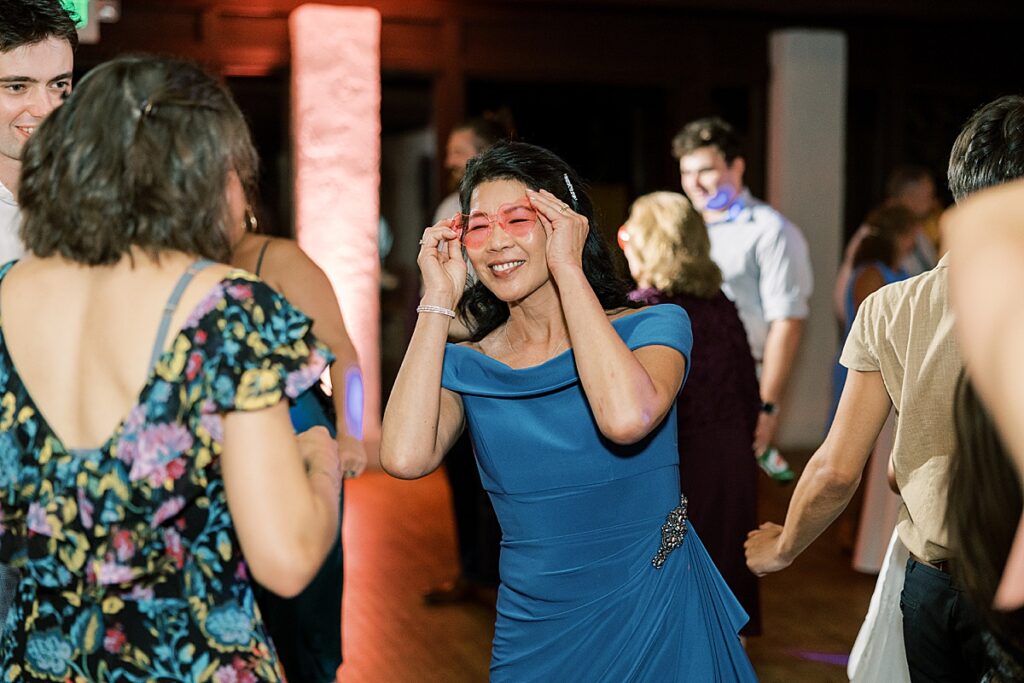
x=138, y=156
x=982, y=510
x=538, y=169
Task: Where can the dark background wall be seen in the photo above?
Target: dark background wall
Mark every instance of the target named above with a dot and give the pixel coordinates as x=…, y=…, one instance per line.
x=607, y=83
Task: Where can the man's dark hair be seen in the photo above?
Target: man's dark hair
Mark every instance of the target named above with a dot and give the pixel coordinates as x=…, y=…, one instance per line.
x=990, y=148
x=139, y=156
x=489, y=129
x=708, y=132
x=905, y=175
x=27, y=22
x=538, y=169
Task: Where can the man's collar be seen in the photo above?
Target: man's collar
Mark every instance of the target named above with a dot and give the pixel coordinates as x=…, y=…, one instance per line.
x=6, y=196
x=740, y=204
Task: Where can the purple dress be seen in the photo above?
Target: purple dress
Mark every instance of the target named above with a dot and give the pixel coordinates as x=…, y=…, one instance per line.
x=717, y=416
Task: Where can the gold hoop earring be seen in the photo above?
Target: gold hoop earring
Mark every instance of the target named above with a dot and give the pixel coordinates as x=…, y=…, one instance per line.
x=251, y=224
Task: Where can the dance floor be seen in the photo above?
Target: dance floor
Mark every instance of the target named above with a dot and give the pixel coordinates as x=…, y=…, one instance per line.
x=399, y=541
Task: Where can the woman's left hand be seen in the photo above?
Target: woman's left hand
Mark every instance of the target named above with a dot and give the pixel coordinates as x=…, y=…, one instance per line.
x=566, y=230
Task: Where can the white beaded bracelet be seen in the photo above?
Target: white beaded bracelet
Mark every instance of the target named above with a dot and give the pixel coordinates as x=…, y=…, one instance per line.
x=429, y=308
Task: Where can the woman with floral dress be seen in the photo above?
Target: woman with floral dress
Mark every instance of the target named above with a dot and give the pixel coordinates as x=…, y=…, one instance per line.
x=148, y=467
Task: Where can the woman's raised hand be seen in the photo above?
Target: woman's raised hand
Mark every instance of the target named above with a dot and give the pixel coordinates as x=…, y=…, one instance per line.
x=441, y=264
x=566, y=230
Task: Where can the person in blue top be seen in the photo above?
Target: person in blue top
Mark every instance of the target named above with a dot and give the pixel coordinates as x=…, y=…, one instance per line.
x=888, y=236
x=570, y=397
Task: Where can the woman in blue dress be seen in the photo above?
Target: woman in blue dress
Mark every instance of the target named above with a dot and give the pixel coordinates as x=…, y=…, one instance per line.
x=570, y=398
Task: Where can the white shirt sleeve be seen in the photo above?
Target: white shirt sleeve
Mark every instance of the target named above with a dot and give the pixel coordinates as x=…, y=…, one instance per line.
x=785, y=278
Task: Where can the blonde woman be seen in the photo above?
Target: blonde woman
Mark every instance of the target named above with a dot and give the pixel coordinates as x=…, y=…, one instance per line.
x=667, y=247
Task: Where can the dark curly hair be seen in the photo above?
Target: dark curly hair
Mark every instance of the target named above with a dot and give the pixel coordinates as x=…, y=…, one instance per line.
x=990, y=148
x=537, y=168
x=139, y=156
x=708, y=132
x=27, y=22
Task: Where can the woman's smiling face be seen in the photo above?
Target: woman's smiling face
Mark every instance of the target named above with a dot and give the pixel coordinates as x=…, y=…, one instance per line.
x=506, y=250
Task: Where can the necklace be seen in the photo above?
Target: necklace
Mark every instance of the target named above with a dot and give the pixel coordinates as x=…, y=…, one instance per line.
x=563, y=344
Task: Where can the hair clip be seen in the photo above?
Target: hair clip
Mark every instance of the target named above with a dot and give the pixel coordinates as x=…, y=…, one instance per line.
x=572, y=192
x=145, y=108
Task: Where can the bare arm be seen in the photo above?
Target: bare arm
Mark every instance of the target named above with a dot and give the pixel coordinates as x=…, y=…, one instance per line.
x=301, y=281
x=422, y=420
x=831, y=476
x=986, y=277
x=780, y=349
x=629, y=392
x=985, y=235
x=286, y=518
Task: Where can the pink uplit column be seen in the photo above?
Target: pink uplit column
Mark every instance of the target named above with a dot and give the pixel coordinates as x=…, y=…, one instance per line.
x=336, y=134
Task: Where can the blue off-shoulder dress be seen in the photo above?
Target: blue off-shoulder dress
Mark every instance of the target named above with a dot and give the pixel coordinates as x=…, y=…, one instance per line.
x=581, y=517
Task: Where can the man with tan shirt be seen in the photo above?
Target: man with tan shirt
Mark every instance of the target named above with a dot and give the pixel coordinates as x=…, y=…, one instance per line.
x=901, y=352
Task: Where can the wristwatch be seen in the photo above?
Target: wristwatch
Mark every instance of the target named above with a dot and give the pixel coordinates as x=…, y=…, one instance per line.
x=769, y=408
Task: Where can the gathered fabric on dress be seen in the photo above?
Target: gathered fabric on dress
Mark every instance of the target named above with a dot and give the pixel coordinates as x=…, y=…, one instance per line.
x=129, y=562
x=716, y=417
x=581, y=519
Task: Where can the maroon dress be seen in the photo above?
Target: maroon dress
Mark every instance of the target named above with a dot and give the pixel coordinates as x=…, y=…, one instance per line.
x=717, y=416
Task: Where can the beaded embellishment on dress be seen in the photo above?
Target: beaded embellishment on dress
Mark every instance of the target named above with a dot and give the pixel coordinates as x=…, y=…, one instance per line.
x=673, y=531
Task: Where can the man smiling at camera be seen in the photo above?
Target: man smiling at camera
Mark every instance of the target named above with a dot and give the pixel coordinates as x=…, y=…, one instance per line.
x=37, y=44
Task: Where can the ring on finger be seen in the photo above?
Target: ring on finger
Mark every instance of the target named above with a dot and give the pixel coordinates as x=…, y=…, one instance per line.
x=350, y=474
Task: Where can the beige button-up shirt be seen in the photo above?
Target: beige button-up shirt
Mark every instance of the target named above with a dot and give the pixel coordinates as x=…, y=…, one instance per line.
x=905, y=331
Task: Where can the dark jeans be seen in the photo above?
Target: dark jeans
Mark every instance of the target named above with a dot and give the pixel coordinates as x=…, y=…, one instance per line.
x=940, y=629
x=476, y=527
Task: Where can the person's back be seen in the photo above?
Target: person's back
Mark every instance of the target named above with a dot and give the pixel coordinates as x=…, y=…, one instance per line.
x=148, y=467
x=905, y=331
x=81, y=338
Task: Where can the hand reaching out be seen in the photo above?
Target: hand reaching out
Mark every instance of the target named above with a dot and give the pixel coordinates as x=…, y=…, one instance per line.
x=762, y=548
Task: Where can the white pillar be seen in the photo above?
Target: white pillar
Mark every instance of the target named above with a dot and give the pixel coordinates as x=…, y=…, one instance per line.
x=336, y=134
x=806, y=182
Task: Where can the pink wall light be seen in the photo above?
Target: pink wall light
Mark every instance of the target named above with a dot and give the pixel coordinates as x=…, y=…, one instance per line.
x=336, y=130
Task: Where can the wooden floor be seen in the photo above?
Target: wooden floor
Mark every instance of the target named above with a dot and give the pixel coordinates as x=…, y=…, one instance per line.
x=399, y=541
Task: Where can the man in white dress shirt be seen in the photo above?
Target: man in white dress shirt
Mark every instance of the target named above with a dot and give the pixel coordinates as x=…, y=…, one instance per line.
x=37, y=43
x=766, y=268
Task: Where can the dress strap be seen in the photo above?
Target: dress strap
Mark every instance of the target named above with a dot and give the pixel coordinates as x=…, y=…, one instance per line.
x=259, y=259
x=172, y=305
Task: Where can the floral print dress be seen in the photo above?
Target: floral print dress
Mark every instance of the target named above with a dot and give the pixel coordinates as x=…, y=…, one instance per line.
x=130, y=567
